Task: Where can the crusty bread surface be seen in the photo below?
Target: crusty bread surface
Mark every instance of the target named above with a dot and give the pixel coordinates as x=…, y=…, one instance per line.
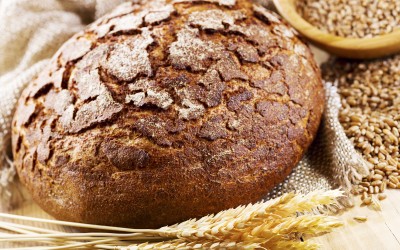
x=166, y=111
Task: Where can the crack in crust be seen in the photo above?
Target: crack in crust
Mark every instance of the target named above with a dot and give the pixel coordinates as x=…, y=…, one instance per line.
x=214, y=95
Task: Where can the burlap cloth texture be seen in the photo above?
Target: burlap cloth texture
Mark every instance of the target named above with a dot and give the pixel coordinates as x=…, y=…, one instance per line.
x=32, y=31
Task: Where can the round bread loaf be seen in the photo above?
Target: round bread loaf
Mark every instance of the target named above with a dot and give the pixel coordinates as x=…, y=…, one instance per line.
x=166, y=111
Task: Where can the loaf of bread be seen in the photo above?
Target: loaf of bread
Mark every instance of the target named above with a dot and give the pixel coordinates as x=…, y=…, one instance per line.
x=167, y=110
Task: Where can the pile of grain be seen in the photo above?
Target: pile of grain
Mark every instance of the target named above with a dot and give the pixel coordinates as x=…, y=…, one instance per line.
x=352, y=18
x=370, y=115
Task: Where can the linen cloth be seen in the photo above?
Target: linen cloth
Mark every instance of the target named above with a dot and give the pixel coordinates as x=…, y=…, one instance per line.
x=32, y=31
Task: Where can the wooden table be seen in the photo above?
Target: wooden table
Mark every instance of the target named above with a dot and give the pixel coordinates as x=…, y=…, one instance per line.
x=380, y=231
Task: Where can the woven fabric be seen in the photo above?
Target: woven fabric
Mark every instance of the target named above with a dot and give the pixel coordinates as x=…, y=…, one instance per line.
x=33, y=30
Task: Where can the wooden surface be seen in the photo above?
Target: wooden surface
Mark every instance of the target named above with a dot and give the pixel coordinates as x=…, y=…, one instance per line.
x=346, y=47
x=380, y=231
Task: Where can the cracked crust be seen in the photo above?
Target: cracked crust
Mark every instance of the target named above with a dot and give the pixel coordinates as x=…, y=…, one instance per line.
x=162, y=112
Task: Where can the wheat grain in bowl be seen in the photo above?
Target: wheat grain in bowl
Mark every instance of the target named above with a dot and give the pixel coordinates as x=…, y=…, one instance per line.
x=370, y=115
x=352, y=18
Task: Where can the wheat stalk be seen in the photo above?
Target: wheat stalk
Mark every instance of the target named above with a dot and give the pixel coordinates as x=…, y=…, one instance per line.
x=76, y=224
x=277, y=223
x=223, y=224
x=307, y=224
x=263, y=223
x=199, y=244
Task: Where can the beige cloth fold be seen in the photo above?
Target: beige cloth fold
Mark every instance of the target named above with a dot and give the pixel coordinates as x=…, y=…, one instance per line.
x=32, y=31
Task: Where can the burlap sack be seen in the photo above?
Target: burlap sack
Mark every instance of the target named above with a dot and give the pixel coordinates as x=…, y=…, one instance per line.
x=33, y=30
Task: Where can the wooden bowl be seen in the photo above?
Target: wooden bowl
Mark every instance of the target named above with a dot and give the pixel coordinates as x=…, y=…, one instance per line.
x=359, y=48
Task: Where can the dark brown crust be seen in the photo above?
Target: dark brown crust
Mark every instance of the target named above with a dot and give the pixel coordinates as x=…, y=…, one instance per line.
x=167, y=116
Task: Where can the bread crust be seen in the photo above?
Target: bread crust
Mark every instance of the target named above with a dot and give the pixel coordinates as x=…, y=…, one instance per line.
x=162, y=112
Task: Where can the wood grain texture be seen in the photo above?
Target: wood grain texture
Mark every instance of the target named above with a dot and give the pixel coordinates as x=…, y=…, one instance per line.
x=380, y=231
x=345, y=47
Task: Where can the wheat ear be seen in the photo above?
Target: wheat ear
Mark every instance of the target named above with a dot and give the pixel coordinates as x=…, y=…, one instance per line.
x=223, y=224
x=274, y=224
